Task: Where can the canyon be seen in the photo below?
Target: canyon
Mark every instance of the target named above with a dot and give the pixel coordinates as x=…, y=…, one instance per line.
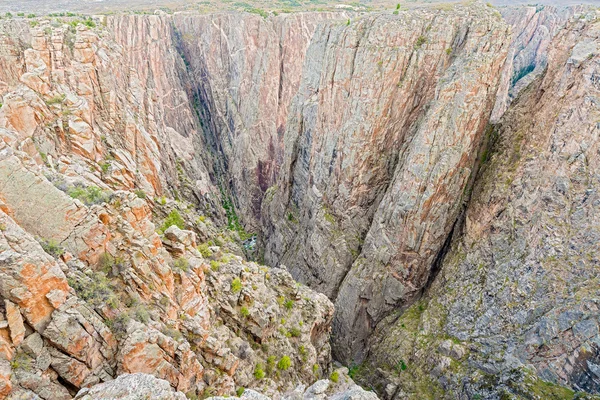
x=348, y=205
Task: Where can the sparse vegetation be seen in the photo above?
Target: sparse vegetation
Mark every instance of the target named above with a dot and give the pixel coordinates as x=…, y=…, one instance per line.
x=334, y=377
x=204, y=250
x=284, y=363
x=88, y=195
x=421, y=40
x=289, y=304
x=140, y=193
x=244, y=312
x=215, y=265
x=182, y=264
x=174, y=218
x=96, y=290
x=259, y=373
x=51, y=247
x=236, y=285
x=270, y=364
x=21, y=361
x=58, y=99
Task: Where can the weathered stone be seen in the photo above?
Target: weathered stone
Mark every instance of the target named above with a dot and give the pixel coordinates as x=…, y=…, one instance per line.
x=15, y=322
x=131, y=387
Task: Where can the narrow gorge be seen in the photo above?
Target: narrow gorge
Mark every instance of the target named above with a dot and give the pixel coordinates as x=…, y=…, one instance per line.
x=335, y=204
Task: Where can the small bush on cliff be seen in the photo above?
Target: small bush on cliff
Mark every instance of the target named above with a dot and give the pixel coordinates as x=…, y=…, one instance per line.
x=284, y=363
x=259, y=373
x=21, y=361
x=204, y=250
x=295, y=332
x=140, y=193
x=51, y=247
x=182, y=264
x=88, y=195
x=215, y=265
x=334, y=377
x=270, y=364
x=420, y=42
x=289, y=304
x=240, y=391
x=236, y=285
x=244, y=312
x=97, y=291
x=106, y=262
x=174, y=218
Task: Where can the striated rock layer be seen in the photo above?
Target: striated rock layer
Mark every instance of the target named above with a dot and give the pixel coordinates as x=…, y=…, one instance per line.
x=516, y=298
x=136, y=151
x=365, y=226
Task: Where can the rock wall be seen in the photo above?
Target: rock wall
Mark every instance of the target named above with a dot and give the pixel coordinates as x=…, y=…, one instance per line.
x=380, y=145
x=515, y=298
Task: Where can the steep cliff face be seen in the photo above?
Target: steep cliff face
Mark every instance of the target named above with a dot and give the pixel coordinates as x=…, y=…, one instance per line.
x=533, y=28
x=244, y=71
x=358, y=146
x=516, y=296
x=365, y=226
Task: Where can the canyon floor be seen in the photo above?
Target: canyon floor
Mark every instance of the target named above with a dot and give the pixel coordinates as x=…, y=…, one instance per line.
x=224, y=200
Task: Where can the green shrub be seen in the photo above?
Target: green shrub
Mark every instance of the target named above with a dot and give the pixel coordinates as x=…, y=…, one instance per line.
x=96, y=290
x=270, y=364
x=244, y=312
x=258, y=372
x=174, y=218
x=58, y=99
x=215, y=265
x=89, y=23
x=141, y=314
x=295, y=332
x=315, y=369
x=51, y=247
x=420, y=42
x=8, y=15
x=140, y=193
x=21, y=361
x=284, y=363
x=204, y=250
x=236, y=285
x=106, y=262
x=334, y=377
x=289, y=304
x=30, y=15
x=240, y=391
x=118, y=325
x=172, y=332
x=88, y=195
x=182, y=264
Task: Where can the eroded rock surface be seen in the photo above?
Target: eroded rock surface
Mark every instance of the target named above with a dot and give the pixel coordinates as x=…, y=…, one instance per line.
x=515, y=301
x=135, y=149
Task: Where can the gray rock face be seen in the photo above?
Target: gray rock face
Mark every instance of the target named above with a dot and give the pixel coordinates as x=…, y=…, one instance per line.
x=533, y=27
x=132, y=387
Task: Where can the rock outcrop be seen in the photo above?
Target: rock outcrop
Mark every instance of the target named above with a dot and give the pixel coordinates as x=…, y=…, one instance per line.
x=99, y=276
